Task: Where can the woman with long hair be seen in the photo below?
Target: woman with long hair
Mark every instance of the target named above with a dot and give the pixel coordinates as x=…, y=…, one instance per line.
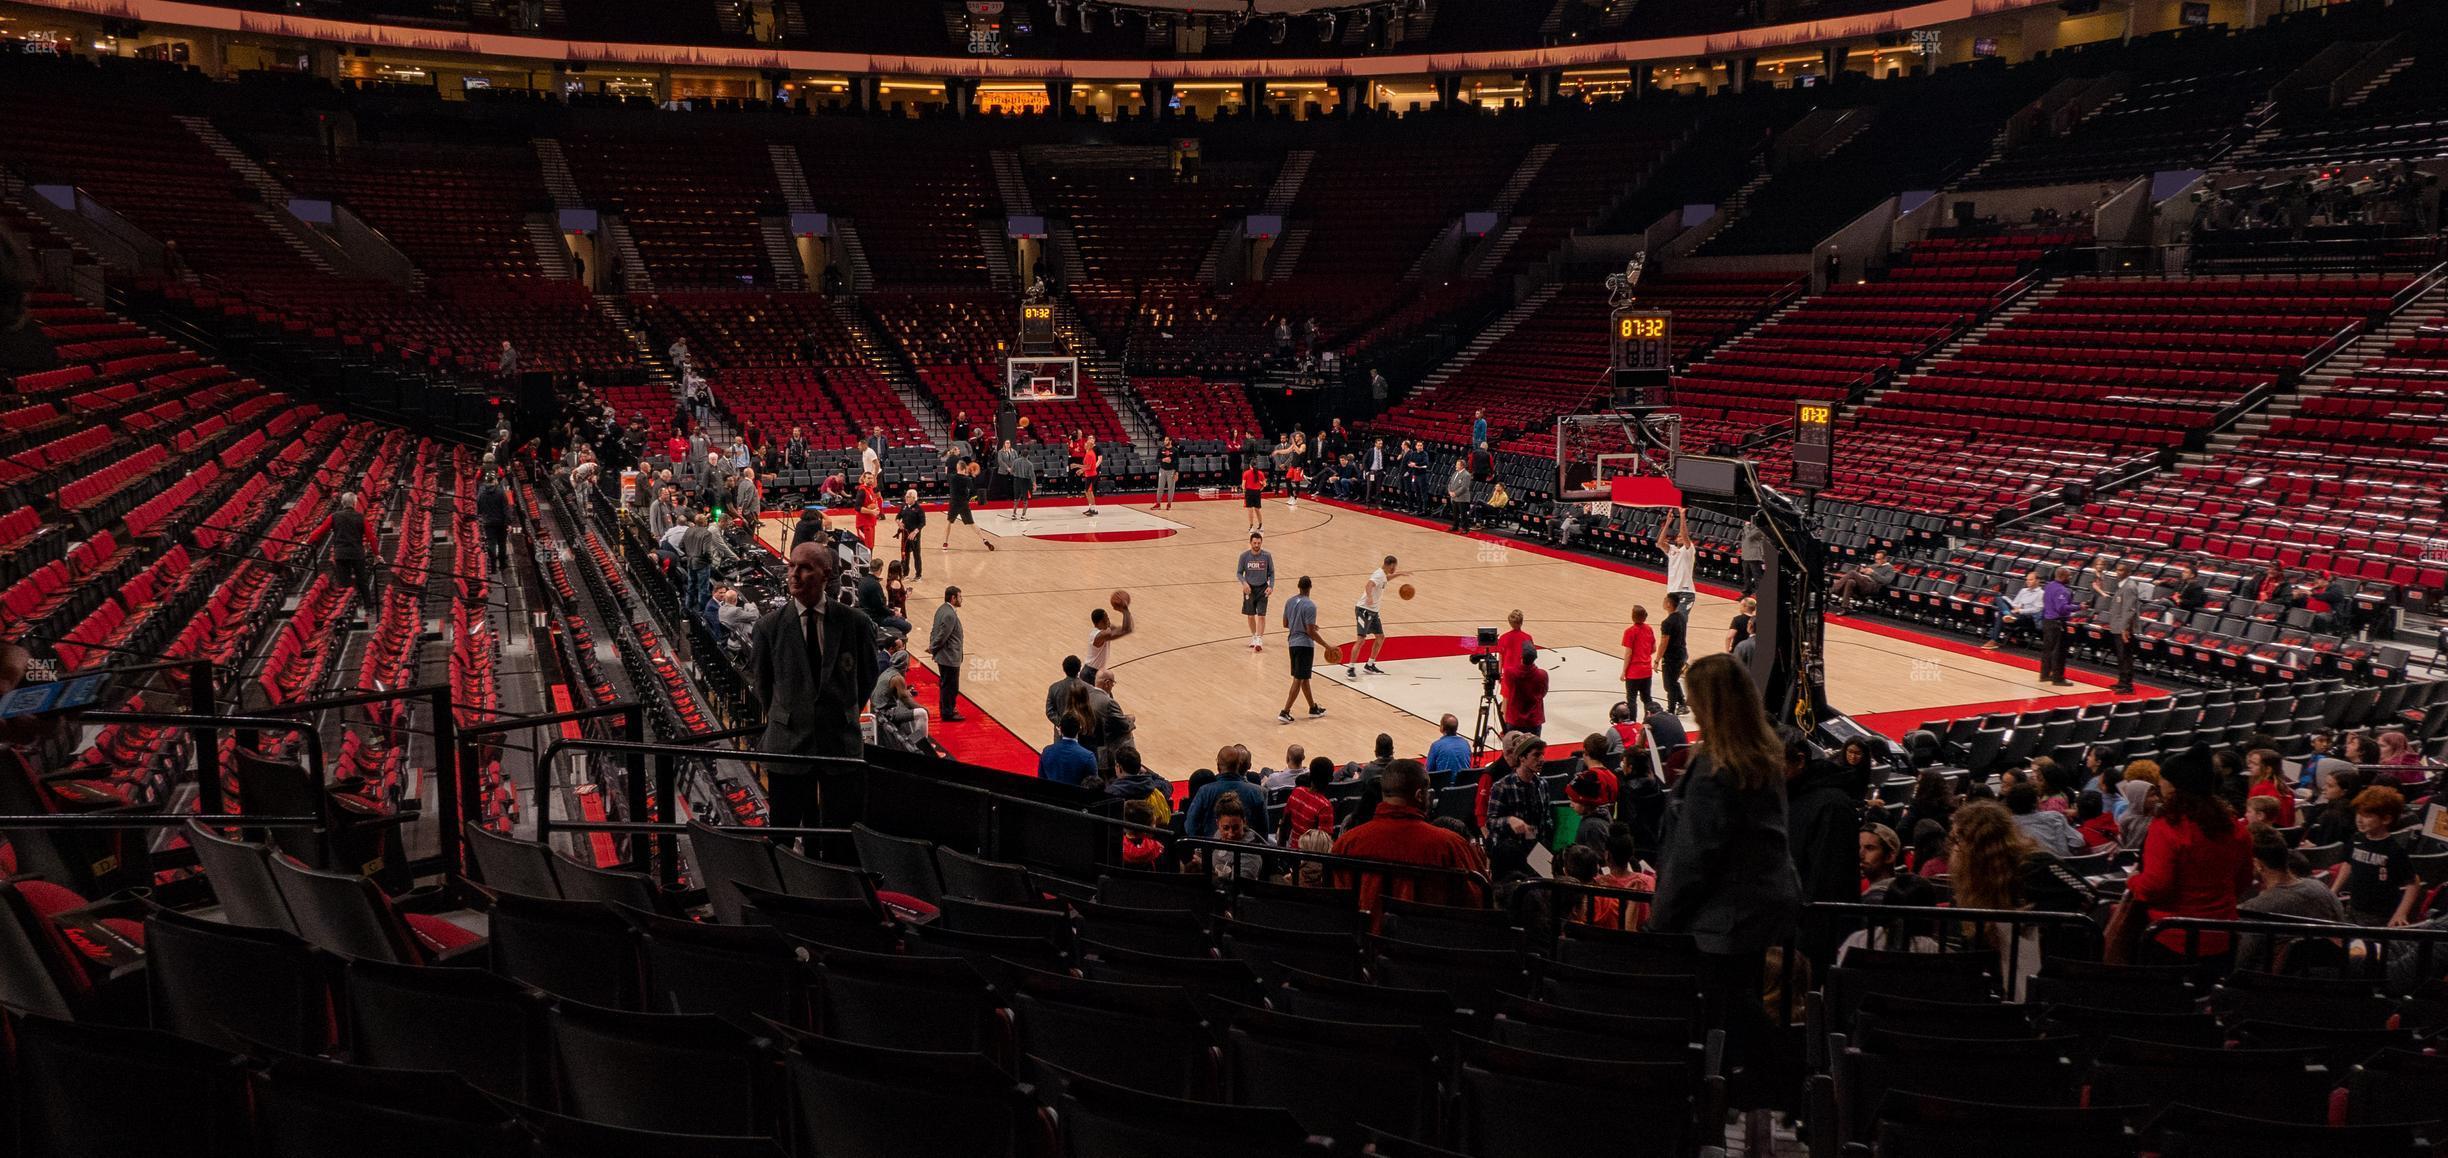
x=1082, y=710
x=1933, y=801
x=2058, y=789
x=1861, y=769
x=1992, y=865
x=1726, y=874
x=2197, y=859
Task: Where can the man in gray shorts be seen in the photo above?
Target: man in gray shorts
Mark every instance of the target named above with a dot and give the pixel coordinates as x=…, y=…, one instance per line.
x=1021, y=470
x=1256, y=573
x=1302, y=639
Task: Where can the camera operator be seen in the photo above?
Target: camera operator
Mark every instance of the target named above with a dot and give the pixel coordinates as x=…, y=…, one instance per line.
x=1525, y=693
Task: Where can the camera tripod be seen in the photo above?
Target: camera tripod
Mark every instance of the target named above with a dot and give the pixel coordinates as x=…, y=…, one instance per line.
x=1491, y=719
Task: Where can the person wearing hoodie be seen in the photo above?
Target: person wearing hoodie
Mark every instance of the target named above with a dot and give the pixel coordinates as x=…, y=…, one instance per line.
x=1824, y=817
x=1132, y=781
x=2141, y=802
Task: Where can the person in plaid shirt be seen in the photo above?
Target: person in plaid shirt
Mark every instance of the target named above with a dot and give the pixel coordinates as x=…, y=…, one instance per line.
x=1520, y=817
x=1307, y=808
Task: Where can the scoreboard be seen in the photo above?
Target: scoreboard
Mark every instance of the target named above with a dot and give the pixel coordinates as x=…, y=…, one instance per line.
x=1036, y=324
x=1641, y=339
x=1814, y=445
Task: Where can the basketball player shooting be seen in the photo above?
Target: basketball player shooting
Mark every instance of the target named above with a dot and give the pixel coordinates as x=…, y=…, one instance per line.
x=1369, y=625
x=1100, y=642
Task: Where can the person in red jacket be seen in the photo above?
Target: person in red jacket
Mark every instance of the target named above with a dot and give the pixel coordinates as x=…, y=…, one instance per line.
x=2196, y=859
x=1401, y=834
x=1640, y=657
x=1525, y=694
x=2091, y=819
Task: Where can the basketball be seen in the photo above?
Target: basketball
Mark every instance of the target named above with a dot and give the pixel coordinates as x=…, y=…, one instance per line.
x=1024, y=422
x=1121, y=600
x=1406, y=591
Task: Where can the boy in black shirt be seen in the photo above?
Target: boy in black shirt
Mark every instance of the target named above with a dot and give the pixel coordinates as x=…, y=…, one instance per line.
x=2379, y=885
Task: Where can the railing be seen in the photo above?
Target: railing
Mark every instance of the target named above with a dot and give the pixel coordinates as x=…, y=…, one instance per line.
x=442, y=731
x=1341, y=871
x=659, y=856
x=2428, y=944
x=205, y=729
x=1960, y=930
x=466, y=778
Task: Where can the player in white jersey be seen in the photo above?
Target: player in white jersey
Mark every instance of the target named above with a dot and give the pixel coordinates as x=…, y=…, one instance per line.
x=1099, y=656
x=1674, y=538
x=1371, y=627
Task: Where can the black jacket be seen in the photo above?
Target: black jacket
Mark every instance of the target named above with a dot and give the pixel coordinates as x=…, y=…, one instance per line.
x=492, y=506
x=1826, y=826
x=1725, y=875
x=348, y=529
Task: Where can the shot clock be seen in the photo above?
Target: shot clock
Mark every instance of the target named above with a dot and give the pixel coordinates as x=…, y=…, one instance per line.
x=1036, y=324
x=1641, y=340
x=1640, y=356
x=1814, y=445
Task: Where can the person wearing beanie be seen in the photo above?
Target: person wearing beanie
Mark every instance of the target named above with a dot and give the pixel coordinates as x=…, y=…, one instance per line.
x=2197, y=859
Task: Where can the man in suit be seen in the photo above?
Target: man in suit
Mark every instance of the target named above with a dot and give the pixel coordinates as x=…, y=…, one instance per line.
x=2117, y=601
x=945, y=638
x=813, y=662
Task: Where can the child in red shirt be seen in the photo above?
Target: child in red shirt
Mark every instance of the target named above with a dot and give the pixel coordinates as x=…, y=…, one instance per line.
x=1140, y=850
x=2099, y=830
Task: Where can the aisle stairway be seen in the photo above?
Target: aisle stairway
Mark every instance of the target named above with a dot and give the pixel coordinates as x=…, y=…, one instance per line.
x=1494, y=333
x=291, y=231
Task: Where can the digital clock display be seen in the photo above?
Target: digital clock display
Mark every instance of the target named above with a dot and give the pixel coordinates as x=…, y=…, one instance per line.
x=1639, y=339
x=1814, y=445
x=1036, y=324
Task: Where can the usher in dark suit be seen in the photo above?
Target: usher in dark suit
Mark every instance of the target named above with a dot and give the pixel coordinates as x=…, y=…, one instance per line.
x=805, y=714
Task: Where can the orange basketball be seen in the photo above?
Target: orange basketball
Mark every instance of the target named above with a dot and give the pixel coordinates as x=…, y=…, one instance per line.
x=1406, y=591
x=1024, y=422
x=1121, y=600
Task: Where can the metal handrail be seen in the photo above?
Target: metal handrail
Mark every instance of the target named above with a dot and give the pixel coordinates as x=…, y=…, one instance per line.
x=666, y=782
x=465, y=783
x=1467, y=882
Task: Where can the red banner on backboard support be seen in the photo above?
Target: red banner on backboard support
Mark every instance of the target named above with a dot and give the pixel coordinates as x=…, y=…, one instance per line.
x=1644, y=490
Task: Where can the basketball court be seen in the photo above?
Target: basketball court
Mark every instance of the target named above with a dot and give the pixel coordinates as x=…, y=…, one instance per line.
x=1187, y=673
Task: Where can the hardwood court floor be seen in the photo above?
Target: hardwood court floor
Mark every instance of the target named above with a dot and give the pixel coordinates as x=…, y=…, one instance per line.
x=1187, y=672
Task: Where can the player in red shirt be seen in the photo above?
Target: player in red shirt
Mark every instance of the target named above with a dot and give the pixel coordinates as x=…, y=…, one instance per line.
x=1640, y=657
x=870, y=510
x=1253, y=496
x=1084, y=449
